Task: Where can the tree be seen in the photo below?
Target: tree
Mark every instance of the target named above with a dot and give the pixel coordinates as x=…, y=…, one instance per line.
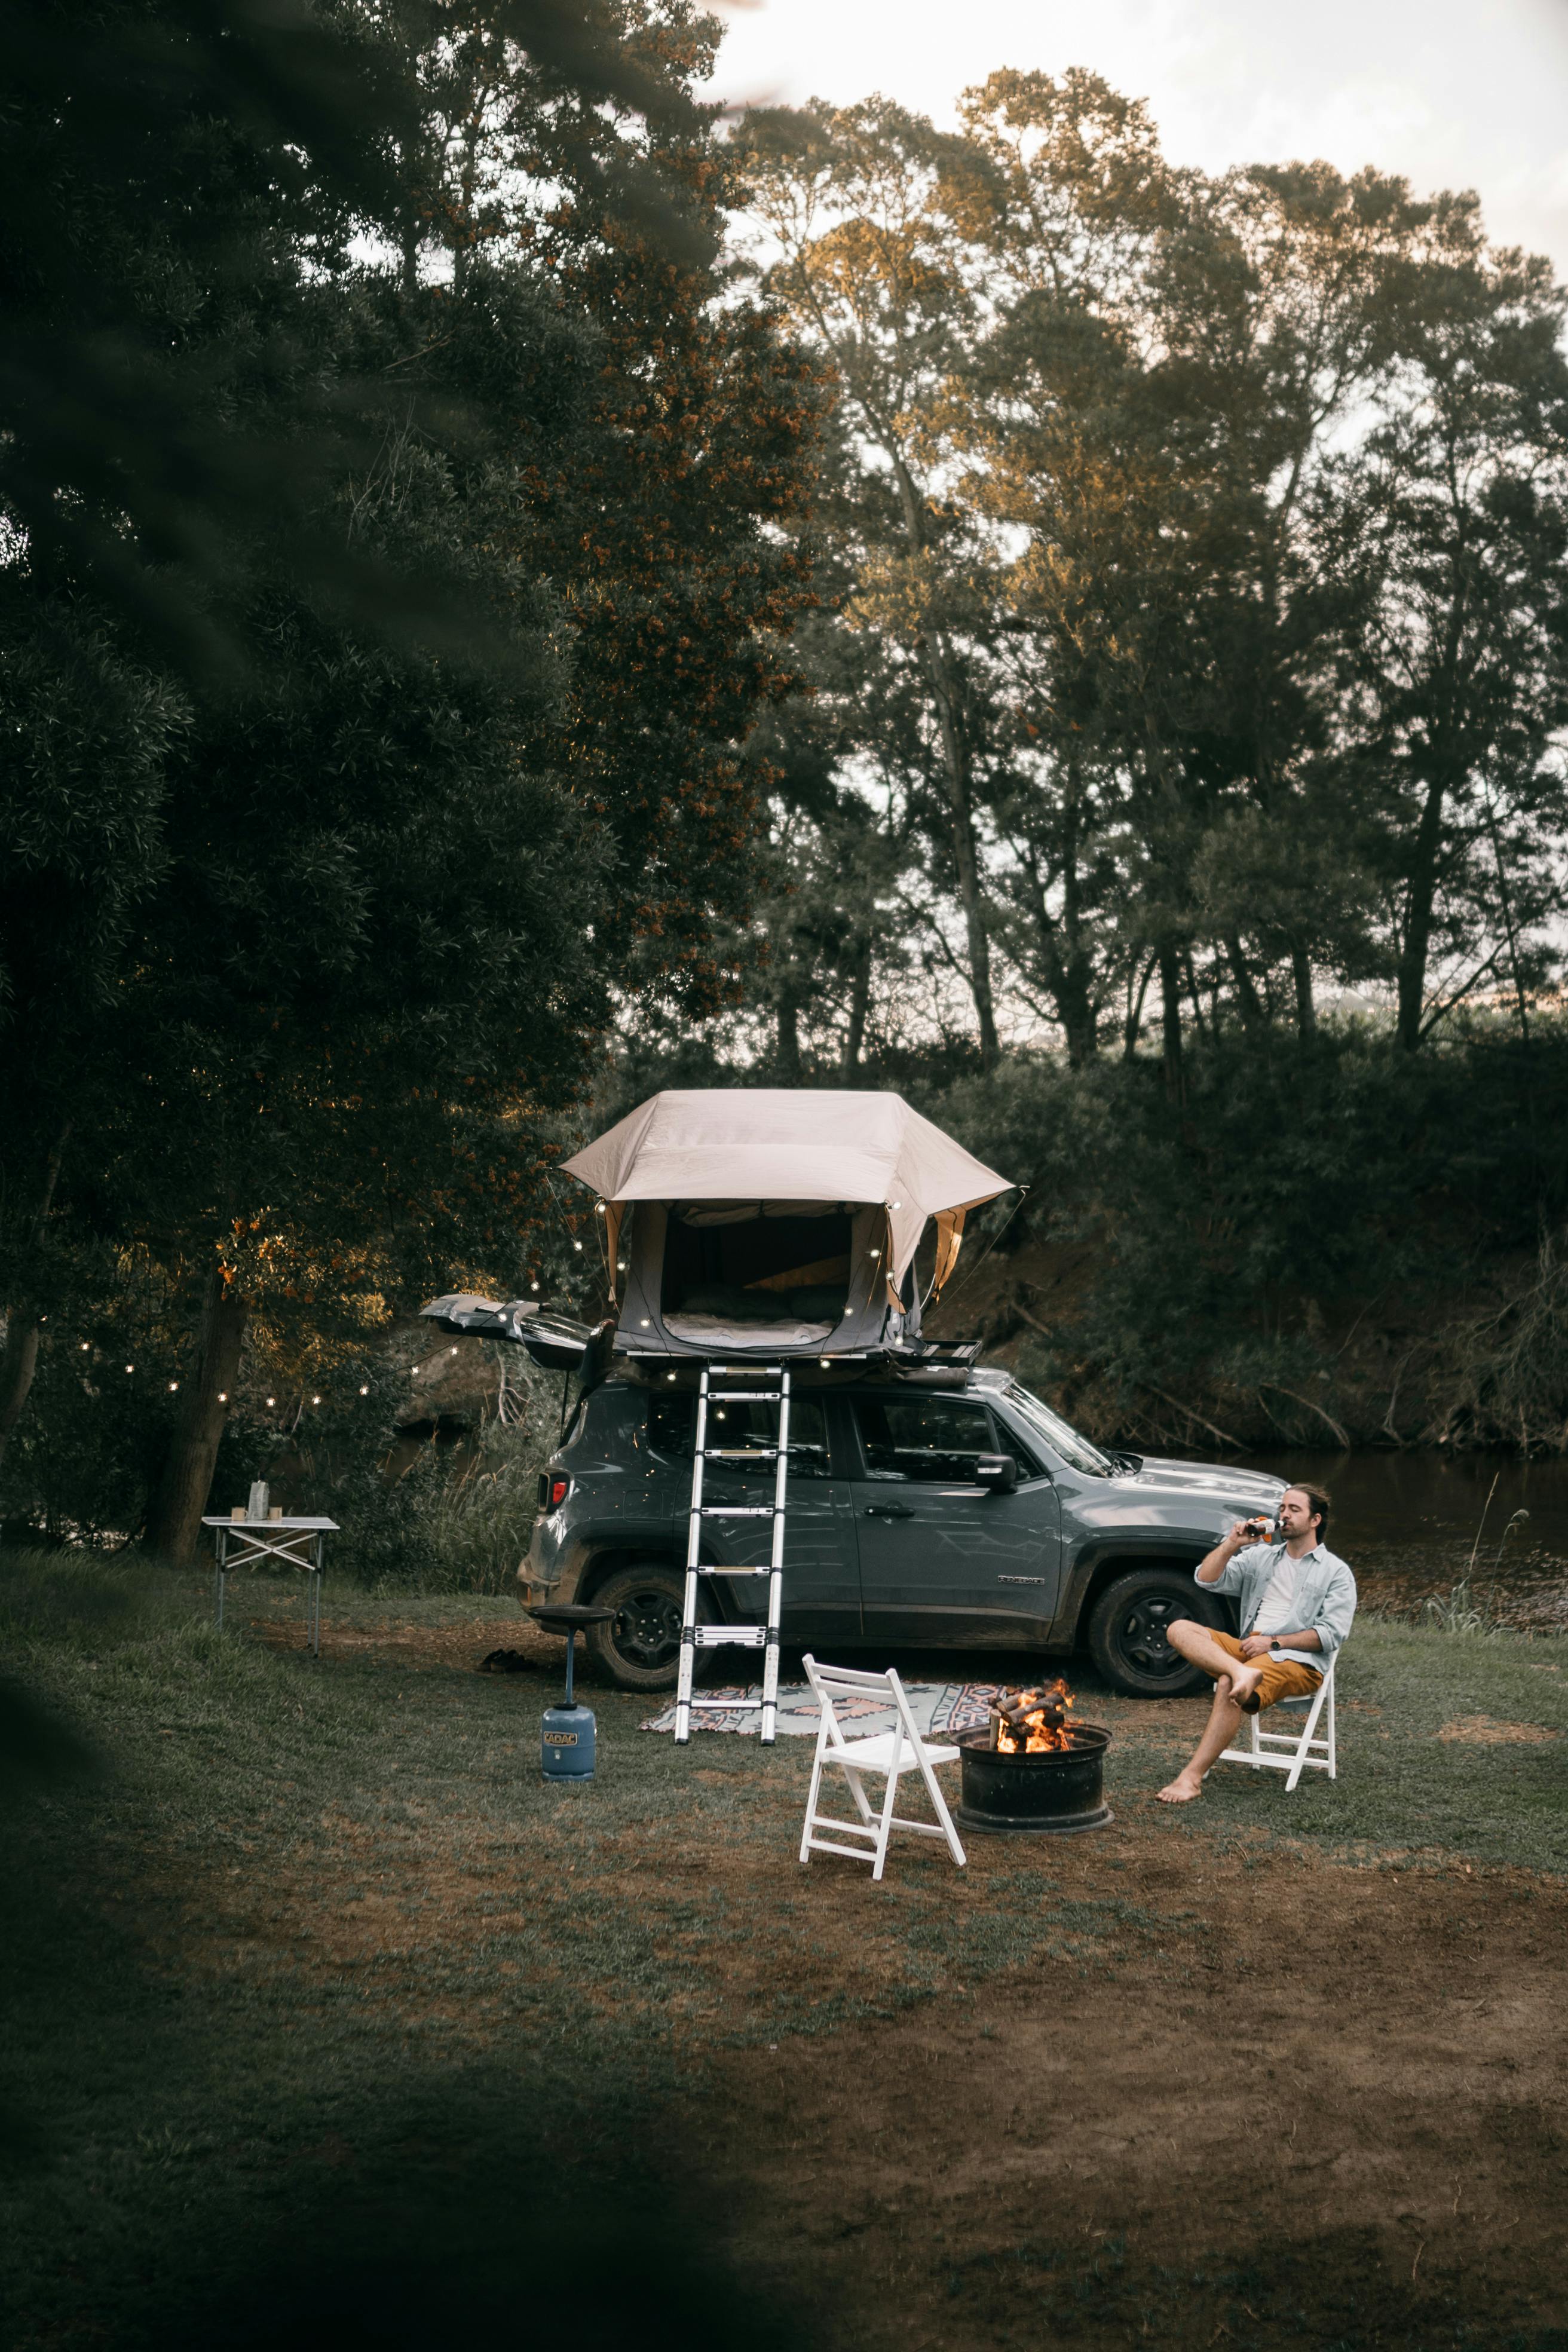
x=370, y=941
x=846, y=196
x=1458, y=504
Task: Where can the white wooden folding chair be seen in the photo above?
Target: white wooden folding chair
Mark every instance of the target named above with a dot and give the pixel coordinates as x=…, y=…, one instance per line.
x=1290, y=1751
x=889, y=1752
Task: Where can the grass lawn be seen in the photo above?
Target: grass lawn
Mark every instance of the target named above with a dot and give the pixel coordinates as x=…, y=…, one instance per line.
x=327, y=2014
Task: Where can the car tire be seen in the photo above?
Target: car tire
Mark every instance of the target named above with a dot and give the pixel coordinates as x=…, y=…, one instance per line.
x=639, y=1647
x=1126, y=1634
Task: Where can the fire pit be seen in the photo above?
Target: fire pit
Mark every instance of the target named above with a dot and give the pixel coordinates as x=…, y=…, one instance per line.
x=1035, y=1769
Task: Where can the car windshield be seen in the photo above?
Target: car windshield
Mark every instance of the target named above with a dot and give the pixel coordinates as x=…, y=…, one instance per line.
x=1075, y=1451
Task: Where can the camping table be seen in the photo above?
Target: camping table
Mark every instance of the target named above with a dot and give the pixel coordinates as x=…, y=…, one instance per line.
x=298, y=1543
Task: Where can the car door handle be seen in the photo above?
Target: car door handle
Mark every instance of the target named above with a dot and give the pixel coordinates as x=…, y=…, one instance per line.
x=889, y=1511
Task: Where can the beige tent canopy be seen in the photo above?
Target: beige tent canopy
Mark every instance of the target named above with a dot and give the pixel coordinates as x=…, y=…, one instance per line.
x=715, y=1158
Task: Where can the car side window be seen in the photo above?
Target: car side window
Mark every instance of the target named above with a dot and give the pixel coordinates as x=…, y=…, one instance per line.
x=672, y=1429
x=929, y=1439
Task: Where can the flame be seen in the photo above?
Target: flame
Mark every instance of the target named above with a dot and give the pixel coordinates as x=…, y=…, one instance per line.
x=1040, y=1715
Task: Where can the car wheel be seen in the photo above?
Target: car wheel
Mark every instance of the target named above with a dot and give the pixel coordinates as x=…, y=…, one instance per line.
x=639, y=1646
x=1127, y=1635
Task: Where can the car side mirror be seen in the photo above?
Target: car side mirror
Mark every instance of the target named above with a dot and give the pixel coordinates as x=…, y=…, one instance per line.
x=998, y=1473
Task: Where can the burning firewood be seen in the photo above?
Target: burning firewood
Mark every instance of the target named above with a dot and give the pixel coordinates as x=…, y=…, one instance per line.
x=1032, y=1722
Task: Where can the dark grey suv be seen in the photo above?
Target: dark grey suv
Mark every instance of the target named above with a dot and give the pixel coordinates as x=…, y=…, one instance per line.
x=893, y=1539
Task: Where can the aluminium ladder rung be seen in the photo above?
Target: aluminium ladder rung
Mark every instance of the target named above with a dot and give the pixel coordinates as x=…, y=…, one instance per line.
x=753, y=1636
x=726, y=1704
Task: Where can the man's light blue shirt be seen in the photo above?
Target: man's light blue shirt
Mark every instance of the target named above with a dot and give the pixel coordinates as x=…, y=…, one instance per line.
x=1324, y=1596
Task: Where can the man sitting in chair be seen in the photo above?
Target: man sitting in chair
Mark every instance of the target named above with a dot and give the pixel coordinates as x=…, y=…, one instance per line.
x=1295, y=1603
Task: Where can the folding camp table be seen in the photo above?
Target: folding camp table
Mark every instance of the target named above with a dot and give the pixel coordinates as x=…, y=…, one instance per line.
x=298, y=1543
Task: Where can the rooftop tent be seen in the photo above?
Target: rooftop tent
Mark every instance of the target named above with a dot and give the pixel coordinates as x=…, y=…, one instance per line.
x=777, y=1221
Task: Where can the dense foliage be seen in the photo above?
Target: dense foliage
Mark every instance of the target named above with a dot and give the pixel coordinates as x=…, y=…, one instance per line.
x=383, y=639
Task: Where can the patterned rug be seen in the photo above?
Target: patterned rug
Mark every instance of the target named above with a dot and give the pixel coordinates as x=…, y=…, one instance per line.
x=939, y=1709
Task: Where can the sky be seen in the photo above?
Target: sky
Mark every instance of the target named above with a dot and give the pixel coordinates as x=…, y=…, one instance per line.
x=1452, y=93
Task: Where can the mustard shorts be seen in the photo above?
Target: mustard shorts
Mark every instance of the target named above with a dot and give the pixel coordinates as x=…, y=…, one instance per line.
x=1282, y=1677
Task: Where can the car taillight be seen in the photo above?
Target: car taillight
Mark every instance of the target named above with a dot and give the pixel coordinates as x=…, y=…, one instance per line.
x=559, y=1490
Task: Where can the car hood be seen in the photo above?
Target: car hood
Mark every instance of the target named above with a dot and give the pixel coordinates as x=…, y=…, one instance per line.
x=1247, y=1487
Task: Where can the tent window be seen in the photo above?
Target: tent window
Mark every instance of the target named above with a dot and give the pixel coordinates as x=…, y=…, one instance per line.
x=767, y=1269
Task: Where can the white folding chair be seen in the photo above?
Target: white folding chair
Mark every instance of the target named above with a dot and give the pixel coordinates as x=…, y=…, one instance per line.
x=890, y=1752
x=1290, y=1751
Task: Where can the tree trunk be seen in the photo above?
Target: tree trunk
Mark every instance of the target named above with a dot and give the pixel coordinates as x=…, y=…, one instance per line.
x=1421, y=892
x=788, y=1051
x=977, y=937
x=1132, y=1023
x=17, y=1365
x=1306, y=1010
x=955, y=761
x=175, y=1525
x=1075, y=999
x=859, y=1013
x=1254, y=1019
x=1171, y=1023
x=23, y=1323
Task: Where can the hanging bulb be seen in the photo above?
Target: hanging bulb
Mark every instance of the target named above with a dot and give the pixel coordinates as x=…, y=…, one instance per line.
x=453, y=1351
x=172, y=1386
x=130, y=1367
x=533, y=1286
x=364, y=1391
x=223, y=1396
x=271, y=1400
x=86, y=1346
x=315, y=1399
x=576, y=1246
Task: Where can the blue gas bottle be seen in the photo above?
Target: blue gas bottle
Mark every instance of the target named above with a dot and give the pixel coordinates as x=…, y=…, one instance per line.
x=566, y=1737
x=566, y=1743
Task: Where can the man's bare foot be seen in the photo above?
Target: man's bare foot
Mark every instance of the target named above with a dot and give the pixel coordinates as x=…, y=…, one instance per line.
x=1182, y=1790
x=1244, y=1680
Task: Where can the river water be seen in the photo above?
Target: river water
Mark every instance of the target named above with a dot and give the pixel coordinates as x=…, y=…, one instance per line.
x=1414, y=1525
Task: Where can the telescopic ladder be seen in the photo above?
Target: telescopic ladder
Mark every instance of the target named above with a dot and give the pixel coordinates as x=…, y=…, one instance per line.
x=765, y=1637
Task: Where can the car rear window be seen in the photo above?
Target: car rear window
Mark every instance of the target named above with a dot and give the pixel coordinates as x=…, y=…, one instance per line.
x=672, y=1425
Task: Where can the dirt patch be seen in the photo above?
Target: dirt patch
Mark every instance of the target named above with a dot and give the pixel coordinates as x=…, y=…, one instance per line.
x=1330, y=2115
x=1485, y=1731
x=423, y=1648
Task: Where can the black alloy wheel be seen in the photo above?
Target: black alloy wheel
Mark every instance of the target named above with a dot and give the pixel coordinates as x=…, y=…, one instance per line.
x=1127, y=1633
x=639, y=1646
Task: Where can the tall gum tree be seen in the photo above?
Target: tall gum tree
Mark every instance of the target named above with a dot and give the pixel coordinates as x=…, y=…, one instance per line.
x=844, y=198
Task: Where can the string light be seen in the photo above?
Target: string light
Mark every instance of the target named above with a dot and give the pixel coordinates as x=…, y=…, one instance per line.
x=85, y=1346
x=315, y=1399
x=172, y=1386
x=576, y=1246
x=364, y=1391
x=223, y=1396
x=533, y=1286
x=130, y=1367
x=271, y=1400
